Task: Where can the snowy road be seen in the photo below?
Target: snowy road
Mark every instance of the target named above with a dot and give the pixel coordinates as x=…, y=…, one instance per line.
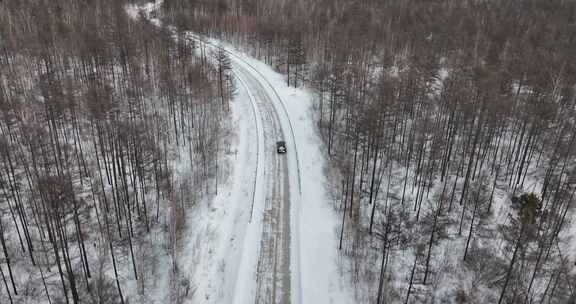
x=273, y=277
x=273, y=270
x=270, y=236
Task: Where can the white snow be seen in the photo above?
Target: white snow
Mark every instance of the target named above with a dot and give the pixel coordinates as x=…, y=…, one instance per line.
x=220, y=236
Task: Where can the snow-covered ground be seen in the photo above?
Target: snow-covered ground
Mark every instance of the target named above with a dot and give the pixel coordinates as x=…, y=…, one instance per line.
x=222, y=247
x=220, y=234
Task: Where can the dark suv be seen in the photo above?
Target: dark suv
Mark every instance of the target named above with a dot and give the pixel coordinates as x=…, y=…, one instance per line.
x=281, y=147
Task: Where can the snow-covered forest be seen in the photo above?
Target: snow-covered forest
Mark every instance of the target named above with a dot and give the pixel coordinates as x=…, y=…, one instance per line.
x=448, y=129
x=109, y=131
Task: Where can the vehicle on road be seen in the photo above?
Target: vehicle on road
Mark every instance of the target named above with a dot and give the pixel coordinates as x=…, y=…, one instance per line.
x=281, y=147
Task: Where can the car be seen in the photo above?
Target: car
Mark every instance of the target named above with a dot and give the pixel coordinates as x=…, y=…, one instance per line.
x=281, y=147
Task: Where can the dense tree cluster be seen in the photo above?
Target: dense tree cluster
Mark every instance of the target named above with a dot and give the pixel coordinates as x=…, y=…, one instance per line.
x=440, y=116
x=109, y=130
